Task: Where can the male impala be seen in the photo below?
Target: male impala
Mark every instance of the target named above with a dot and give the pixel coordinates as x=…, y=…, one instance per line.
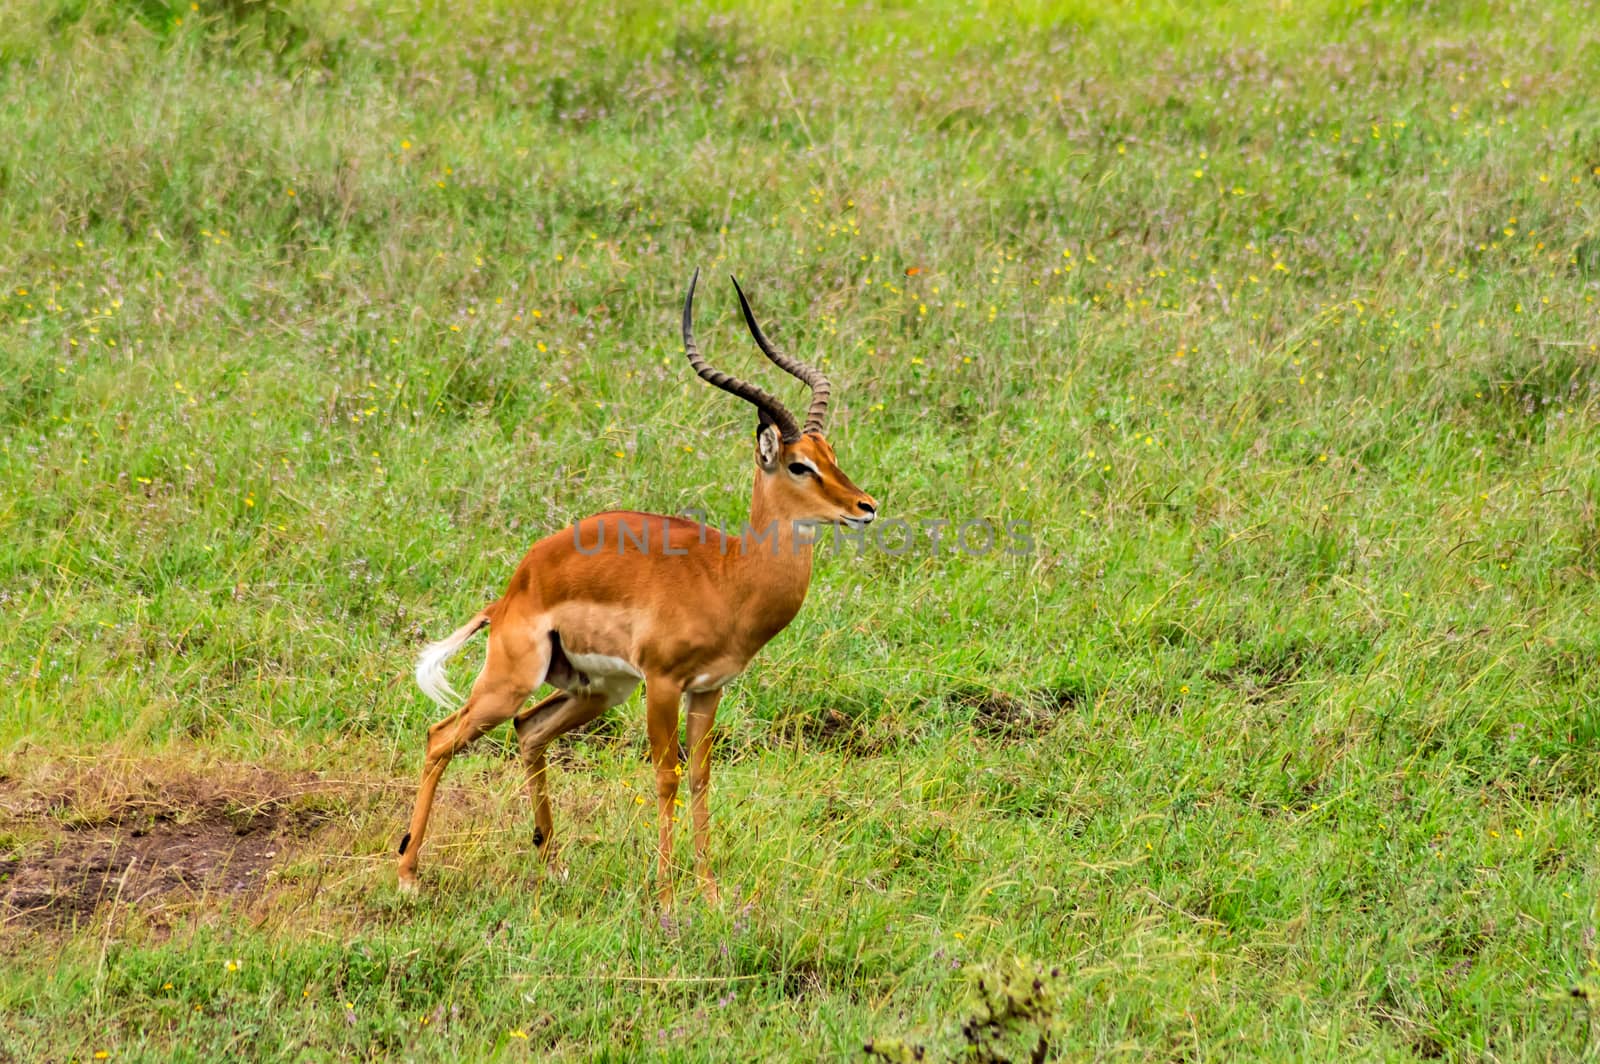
x=626, y=596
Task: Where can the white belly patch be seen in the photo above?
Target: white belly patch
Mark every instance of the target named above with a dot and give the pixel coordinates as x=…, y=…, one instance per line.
x=707, y=682
x=604, y=675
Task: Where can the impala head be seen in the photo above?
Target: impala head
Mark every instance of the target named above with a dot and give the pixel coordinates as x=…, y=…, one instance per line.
x=799, y=475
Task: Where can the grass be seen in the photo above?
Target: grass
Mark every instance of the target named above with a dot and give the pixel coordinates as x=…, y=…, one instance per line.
x=1277, y=326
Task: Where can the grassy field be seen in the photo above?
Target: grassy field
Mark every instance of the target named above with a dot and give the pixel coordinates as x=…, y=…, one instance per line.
x=1278, y=325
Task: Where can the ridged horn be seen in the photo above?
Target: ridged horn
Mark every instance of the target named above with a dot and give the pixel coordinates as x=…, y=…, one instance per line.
x=821, y=389
x=771, y=408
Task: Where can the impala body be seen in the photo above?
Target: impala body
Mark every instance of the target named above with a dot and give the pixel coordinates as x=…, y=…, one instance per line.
x=624, y=597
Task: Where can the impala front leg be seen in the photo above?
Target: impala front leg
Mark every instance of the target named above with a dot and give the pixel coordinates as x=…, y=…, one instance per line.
x=702, y=716
x=661, y=709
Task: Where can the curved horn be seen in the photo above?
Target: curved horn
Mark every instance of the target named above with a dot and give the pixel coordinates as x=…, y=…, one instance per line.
x=771, y=409
x=821, y=389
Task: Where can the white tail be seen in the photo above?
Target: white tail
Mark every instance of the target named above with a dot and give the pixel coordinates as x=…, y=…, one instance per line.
x=430, y=666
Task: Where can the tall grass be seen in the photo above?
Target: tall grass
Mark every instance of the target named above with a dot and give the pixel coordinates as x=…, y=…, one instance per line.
x=1277, y=325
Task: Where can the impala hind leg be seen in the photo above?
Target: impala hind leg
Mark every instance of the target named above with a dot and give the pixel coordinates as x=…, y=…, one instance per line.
x=536, y=727
x=514, y=669
x=702, y=717
x=491, y=704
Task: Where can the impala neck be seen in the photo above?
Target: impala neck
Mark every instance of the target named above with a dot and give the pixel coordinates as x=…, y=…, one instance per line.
x=773, y=566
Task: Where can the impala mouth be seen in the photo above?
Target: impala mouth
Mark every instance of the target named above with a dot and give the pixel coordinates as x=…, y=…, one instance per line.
x=855, y=524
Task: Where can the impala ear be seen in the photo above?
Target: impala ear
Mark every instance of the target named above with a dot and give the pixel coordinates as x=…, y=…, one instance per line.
x=769, y=445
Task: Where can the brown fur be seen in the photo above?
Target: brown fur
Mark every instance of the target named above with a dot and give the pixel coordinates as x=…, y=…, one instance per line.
x=678, y=603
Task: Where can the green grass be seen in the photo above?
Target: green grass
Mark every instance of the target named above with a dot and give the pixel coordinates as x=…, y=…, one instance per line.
x=1278, y=325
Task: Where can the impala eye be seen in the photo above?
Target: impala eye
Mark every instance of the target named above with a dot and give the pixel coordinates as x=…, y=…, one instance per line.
x=800, y=470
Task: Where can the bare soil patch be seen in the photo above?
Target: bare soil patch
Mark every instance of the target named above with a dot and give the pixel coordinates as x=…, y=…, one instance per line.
x=62, y=883
x=148, y=836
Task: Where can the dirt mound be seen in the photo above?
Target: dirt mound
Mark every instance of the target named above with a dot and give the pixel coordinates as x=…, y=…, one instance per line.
x=75, y=849
x=60, y=883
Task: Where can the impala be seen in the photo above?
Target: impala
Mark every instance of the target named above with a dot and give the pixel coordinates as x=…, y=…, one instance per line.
x=624, y=596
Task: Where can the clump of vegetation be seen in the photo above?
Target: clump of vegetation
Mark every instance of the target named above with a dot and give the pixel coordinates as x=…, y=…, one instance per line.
x=1009, y=1015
